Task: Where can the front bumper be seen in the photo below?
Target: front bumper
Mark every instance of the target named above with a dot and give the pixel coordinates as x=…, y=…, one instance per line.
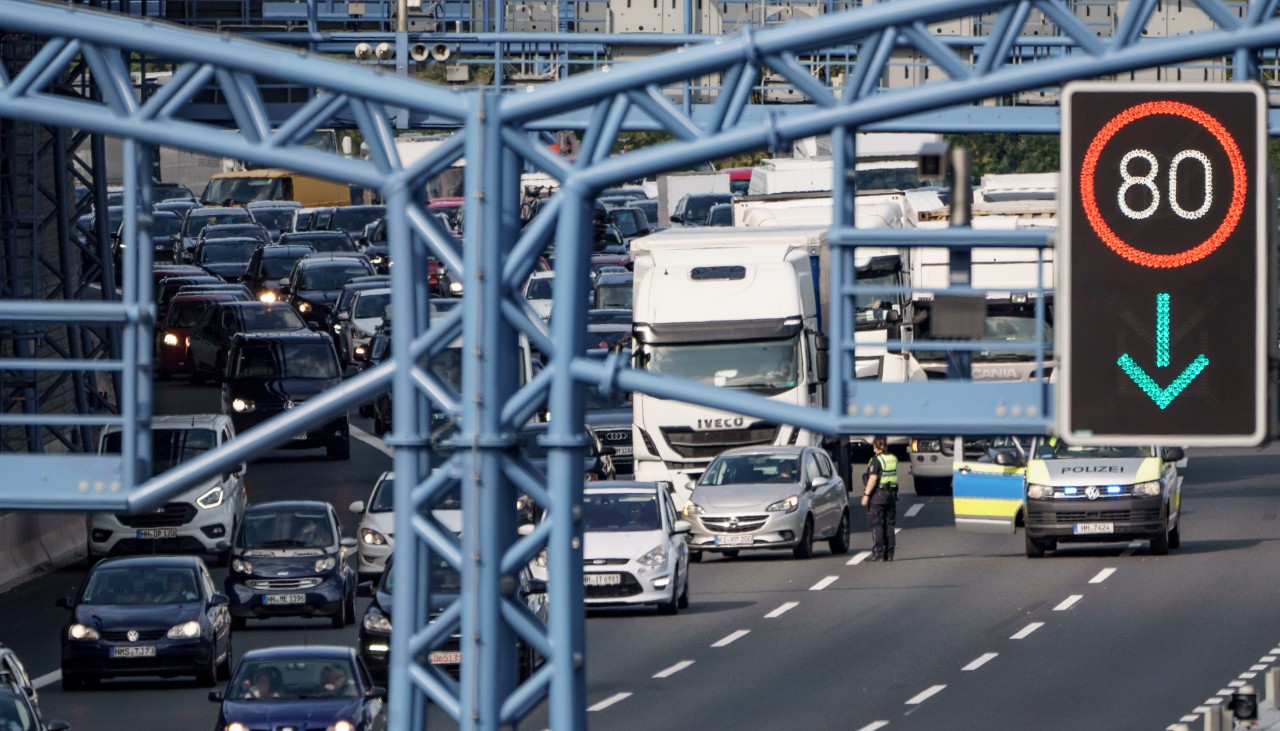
x=92, y=658
x=1129, y=518
x=250, y=601
x=634, y=584
x=333, y=432
x=194, y=530
x=375, y=649
x=371, y=559
x=724, y=531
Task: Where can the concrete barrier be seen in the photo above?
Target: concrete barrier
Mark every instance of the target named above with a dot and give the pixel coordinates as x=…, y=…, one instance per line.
x=31, y=542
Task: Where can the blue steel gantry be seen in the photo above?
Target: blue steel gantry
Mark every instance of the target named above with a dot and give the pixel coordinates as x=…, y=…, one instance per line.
x=495, y=257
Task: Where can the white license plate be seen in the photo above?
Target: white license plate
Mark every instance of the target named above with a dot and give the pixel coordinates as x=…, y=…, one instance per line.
x=733, y=540
x=444, y=657
x=284, y=599
x=622, y=451
x=1088, y=529
x=154, y=533
x=138, y=651
x=301, y=436
x=601, y=579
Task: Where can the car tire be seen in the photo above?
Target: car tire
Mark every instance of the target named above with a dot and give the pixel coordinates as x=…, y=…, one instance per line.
x=933, y=486
x=349, y=608
x=671, y=607
x=1034, y=548
x=684, y=595
x=72, y=683
x=695, y=557
x=340, y=450
x=1160, y=543
x=224, y=667
x=339, y=618
x=1175, y=535
x=196, y=377
x=839, y=543
x=804, y=549
x=238, y=623
x=208, y=677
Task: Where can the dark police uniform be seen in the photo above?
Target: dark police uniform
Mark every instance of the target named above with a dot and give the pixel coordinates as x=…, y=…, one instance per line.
x=882, y=510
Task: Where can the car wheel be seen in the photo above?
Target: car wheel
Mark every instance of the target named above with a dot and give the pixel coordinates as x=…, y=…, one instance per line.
x=339, y=618
x=349, y=608
x=673, y=606
x=208, y=677
x=804, y=549
x=72, y=682
x=1035, y=549
x=224, y=667
x=931, y=486
x=340, y=450
x=1160, y=543
x=695, y=557
x=197, y=378
x=238, y=623
x=684, y=594
x=1175, y=535
x=839, y=543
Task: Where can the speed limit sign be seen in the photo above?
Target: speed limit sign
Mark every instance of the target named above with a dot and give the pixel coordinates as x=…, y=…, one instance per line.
x=1162, y=323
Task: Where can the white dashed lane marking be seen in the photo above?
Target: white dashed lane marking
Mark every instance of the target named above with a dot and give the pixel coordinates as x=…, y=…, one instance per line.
x=1068, y=603
x=914, y=509
x=824, y=583
x=46, y=679
x=616, y=697
x=731, y=638
x=874, y=726
x=1025, y=631
x=858, y=558
x=1102, y=576
x=988, y=657
x=673, y=669
x=924, y=695
x=786, y=607
x=371, y=440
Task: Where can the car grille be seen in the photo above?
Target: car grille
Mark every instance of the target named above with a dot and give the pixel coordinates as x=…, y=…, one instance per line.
x=169, y=515
x=692, y=444
x=628, y=587
x=618, y=437
x=144, y=635
x=606, y=562
x=735, y=523
x=279, y=584
x=1067, y=517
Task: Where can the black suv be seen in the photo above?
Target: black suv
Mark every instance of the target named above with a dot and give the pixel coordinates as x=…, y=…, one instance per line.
x=317, y=280
x=210, y=338
x=269, y=265
x=268, y=373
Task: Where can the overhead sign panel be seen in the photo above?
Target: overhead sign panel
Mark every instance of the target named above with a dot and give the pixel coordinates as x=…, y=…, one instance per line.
x=1162, y=299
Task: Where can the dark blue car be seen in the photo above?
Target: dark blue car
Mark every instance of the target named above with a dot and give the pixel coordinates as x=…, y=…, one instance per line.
x=312, y=687
x=146, y=616
x=289, y=559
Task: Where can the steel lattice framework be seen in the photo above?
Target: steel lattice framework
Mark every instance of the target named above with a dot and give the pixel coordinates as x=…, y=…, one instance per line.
x=495, y=258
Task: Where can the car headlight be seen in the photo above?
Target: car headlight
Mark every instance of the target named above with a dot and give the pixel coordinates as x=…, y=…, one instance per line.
x=337, y=327
x=242, y=405
x=211, y=499
x=268, y=296
x=236, y=726
x=304, y=307
x=326, y=563
x=377, y=622
x=654, y=558
x=377, y=259
x=1150, y=488
x=692, y=508
x=360, y=350
x=82, y=632
x=171, y=340
x=186, y=630
x=342, y=726
x=371, y=537
x=455, y=287
x=1040, y=492
x=788, y=505
x=239, y=565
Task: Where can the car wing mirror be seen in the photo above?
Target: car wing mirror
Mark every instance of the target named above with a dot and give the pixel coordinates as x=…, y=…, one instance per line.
x=348, y=542
x=682, y=526
x=1173, y=454
x=219, y=600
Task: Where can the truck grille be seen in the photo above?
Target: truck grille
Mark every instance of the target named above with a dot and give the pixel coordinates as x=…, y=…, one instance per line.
x=170, y=515
x=305, y=582
x=734, y=524
x=692, y=444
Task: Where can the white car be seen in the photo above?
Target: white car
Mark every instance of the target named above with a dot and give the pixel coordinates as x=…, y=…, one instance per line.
x=377, y=529
x=537, y=291
x=196, y=521
x=634, y=548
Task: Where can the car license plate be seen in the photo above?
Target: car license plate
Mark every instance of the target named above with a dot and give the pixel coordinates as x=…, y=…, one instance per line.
x=444, y=657
x=601, y=579
x=733, y=540
x=301, y=436
x=137, y=651
x=1088, y=529
x=273, y=599
x=155, y=533
x=622, y=451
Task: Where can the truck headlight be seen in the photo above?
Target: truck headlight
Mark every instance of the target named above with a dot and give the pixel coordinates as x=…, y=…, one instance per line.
x=788, y=505
x=1151, y=488
x=1040, y=492
x=371, y=537
x=242, y=405
x=171, y=340
x=211, y=499
x=241, y=566
x=185, y=631
x=377, y=622
x=82, y=632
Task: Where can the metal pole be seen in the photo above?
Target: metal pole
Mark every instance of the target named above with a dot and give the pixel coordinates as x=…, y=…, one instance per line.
x=960, y=364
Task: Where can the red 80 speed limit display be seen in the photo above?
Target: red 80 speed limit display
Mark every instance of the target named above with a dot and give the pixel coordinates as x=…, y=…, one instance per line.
x=1161, y=299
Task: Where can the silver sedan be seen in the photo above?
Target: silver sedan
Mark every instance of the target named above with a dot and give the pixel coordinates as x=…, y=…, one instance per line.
x=769, y=497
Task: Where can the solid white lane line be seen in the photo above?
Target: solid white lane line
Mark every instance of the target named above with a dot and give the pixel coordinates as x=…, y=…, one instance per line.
x=1068, y=603
x=609, y=701
x=673, y=669
x=1135, y=545
x=371, y=440
x=988, y=657
x=731, y=638
x=1022, y=633
x=924, y=695
x=874, y=726
x=826, y=581
x=858, y=558
x=1102, y=576
x=914, y=510
x=46, y=679
x=786, y=607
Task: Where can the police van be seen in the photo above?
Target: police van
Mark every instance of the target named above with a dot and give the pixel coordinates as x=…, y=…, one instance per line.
x=1066, y=494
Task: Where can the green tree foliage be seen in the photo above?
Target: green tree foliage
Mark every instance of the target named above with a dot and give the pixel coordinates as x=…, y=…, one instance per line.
x=1009, y=153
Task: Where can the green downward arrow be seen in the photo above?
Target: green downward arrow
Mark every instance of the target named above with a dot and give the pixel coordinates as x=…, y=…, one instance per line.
x=1162, y=396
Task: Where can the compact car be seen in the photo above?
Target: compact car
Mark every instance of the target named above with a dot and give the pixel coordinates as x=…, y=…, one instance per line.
x=313, y=687
x=634, y=549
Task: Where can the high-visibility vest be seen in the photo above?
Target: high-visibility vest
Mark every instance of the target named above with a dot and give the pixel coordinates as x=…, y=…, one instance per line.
x=888, y=479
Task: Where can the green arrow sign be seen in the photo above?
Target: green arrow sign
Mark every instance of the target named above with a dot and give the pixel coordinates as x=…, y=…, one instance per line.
x=1162, y=396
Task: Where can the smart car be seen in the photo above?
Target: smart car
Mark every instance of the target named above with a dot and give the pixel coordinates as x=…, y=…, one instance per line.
x=312, y=687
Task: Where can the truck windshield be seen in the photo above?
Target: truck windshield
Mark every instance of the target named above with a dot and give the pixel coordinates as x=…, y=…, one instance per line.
x=242, y=190
x=765, y=366
x=1017, y=326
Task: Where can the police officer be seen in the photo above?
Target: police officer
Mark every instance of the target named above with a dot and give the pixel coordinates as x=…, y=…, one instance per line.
x=880, y=497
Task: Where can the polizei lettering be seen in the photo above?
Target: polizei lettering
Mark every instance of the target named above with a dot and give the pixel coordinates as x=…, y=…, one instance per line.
x=730, y=423
x=1093, y=468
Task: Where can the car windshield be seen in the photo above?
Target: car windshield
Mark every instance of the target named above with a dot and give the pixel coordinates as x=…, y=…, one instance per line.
x=270, y=360
x=751, y=469
x=372, y=305
x=275, y=219
x=162, y=227
x=185, y=314
x=614, y=296
x=169, y=447
x=538, y=289
x=278, y=267
x=1057, y=449
x=139, y=586
x=766, y=366
x=294, y=679
x=291, y=528
x=271, y=317
x=321, y=279
x=620, y=513
x=355, y=218
x=193, y=224
x=697, y=206
x=228, y=251
x=329, y=244
x=15, y=713
x=383, y=498
x=448, y=366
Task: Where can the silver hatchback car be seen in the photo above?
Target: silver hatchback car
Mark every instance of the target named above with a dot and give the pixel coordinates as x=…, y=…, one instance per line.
x=768, y=497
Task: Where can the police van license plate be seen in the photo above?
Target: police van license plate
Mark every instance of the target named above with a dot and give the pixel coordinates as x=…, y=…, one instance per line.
x=139, y=651
x=1089, y=529
x=155, y=533
x=733, y=540
x=601, y=579
x=273, y=599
